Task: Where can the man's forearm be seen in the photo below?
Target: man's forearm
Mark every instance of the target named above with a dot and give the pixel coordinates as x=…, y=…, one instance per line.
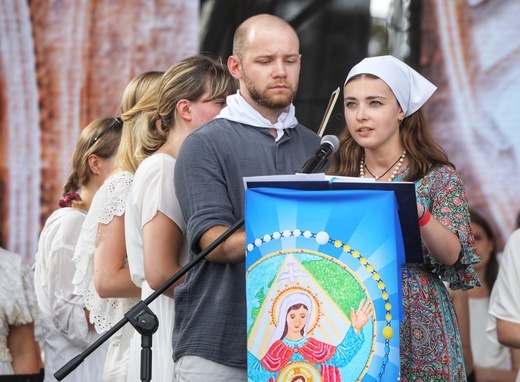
x=231, y=251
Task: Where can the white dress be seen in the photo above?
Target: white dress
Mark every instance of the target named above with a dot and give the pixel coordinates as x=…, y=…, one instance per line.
x=109, y=201
x=152, y=191
x=64, y=326
x=504, y=302
x=486, y=353
x=17, y=301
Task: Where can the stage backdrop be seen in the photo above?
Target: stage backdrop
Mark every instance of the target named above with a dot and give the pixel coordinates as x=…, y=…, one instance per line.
x=334, y=252
x=470, y=49
x=64, y=63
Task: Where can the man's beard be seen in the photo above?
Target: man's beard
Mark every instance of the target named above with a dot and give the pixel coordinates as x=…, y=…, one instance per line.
x=263, y=99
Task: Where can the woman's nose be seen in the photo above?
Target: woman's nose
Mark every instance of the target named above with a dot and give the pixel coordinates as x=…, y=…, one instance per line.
x=361, y=113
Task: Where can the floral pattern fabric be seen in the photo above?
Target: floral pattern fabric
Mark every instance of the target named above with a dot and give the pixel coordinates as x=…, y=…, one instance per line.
x=431, y=347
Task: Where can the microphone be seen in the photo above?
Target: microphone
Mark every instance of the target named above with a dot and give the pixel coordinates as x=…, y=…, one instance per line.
x=329, y=144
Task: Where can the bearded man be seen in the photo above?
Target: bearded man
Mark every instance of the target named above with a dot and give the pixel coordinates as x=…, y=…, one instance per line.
x=256, y=134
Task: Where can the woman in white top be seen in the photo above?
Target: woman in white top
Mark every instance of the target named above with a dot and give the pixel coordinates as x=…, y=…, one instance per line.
x=504, y=304
x=492, y=361
x=102, y=274
x=192, y=92
x=64, y=318
x=19, y=350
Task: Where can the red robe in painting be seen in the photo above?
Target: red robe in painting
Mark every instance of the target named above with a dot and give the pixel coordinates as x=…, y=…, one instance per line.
x=313, y=351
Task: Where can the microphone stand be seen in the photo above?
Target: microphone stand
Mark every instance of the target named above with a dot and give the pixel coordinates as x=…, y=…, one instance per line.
x=142, y=318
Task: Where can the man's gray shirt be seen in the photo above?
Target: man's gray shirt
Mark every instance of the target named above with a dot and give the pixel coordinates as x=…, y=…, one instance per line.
x=210, y=306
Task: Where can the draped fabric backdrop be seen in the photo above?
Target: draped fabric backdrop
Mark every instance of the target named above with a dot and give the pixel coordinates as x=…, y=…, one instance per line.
x=63, y=64
x=471, y=51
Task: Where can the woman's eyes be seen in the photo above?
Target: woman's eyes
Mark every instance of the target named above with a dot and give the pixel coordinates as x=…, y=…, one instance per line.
x=352, y=104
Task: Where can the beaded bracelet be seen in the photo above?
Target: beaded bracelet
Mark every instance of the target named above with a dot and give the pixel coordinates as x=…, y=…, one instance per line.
x=425, y=218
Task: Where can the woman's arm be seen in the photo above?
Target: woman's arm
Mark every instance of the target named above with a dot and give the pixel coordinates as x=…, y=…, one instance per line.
x=162, y=244
x=515, y=360
x=489, y=374
x=508, y=333
x=24, y=349
x=444, y=245
x=461, y=303
x=111, y=276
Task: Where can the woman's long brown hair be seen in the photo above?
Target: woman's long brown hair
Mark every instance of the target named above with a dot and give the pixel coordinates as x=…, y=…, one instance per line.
x=422, y=150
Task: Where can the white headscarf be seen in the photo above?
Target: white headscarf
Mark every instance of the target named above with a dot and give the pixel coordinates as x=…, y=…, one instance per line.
x=290, y=300
x=239, y=110
x=410, y=88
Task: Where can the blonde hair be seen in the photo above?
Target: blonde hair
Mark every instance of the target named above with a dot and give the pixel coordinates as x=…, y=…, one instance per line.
x=108, y=131
x=137, y=89
x=187, y=79
x=142, y=89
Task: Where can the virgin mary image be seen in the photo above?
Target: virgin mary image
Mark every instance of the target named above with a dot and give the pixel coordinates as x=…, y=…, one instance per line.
x=294, y=354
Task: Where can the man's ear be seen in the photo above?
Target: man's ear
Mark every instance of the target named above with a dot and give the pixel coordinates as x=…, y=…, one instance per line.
x=234, y=67
x=183, y=109
x=94, y=164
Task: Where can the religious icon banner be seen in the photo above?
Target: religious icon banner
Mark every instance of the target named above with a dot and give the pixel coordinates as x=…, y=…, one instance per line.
x=323, y=271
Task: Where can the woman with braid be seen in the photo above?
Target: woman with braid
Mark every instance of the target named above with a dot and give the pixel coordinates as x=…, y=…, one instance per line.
x=102, y=274
x=64, y=318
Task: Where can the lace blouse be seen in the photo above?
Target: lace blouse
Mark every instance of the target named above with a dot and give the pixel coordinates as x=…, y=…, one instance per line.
x=109, y=201
x=17, y=301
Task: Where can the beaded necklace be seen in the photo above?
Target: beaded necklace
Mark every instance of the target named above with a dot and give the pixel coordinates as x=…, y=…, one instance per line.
x=398, y=163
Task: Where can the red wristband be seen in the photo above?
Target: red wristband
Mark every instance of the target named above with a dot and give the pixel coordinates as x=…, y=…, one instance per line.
x=425, y=218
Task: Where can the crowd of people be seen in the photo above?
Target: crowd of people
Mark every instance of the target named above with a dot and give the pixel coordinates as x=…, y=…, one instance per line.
x=151, y=189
